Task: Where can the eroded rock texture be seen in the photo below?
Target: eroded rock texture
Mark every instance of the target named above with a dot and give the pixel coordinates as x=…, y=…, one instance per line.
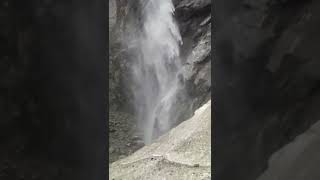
x=265, y=80
x=194, y=19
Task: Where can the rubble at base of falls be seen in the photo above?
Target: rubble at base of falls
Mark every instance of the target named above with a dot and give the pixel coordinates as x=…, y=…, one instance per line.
x=182, y=153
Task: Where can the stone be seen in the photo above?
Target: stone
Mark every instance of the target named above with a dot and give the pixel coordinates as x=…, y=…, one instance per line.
x=111, y=150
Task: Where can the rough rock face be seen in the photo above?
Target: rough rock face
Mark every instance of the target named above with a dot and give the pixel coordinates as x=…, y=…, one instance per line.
x=194, y=19
x=297, y=160
x=265, y=80
x=123, y=139
x=182, y=153
x=118, y=66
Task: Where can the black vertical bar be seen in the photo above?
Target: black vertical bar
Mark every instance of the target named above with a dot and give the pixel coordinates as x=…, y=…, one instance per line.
x=70, y=68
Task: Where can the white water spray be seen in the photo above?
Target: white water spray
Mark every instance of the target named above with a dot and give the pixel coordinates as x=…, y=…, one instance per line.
x=155, y=71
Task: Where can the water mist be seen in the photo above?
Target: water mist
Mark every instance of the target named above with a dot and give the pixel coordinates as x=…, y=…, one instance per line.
x=156, y=70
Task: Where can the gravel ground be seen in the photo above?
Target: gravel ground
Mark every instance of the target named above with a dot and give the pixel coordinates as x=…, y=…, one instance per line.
x=183, y=153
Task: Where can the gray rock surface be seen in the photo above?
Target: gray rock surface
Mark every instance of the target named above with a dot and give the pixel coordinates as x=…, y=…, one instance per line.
x=194, y=19
x=123, y=136
x=112, y=14
x=182, y=153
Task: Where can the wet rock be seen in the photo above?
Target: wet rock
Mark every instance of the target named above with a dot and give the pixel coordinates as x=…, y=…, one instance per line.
x=197, y=68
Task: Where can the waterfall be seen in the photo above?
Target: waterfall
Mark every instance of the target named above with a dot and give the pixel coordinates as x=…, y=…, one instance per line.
x=156, y=70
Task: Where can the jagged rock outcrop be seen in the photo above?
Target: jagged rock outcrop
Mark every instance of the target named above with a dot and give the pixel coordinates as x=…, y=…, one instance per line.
x=265, y=80
x=194, y=19
x=182, y=153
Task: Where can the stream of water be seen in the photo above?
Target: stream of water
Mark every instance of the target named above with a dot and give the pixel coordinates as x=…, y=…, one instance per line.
x=156, y=71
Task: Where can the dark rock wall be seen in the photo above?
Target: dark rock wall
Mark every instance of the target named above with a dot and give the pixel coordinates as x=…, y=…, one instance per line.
x=124, y=20
x=265, y=80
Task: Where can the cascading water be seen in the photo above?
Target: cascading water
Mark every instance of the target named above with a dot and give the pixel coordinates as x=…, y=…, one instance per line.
x=156, y=70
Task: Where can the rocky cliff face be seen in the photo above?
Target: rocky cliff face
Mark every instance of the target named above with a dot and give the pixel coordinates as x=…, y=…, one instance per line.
x=194, y=19
x=266, y=80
